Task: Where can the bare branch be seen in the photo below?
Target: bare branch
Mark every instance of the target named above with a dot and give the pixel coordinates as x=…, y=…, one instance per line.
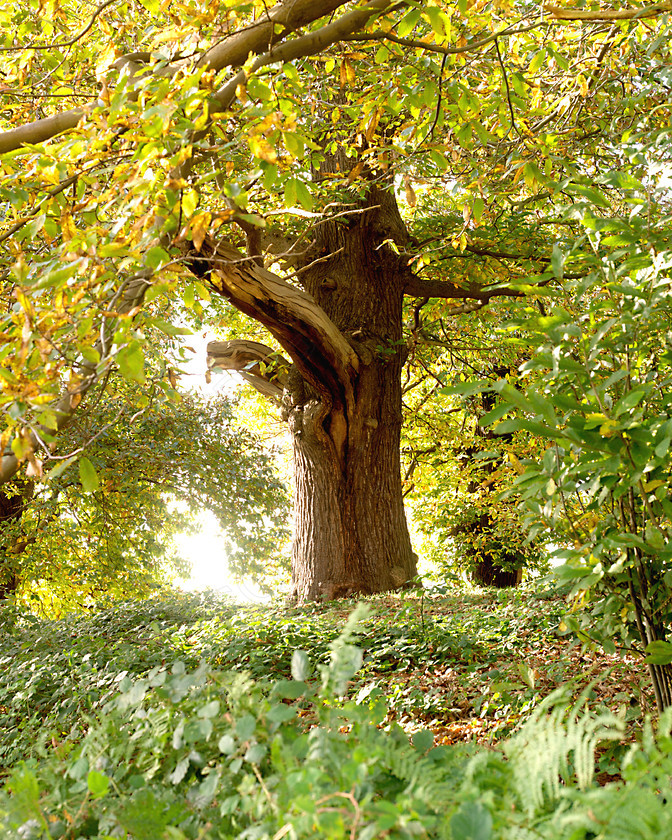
x=263, y=34
x=40, y=130
x=317, y=347
x=258, y=364
x=423, y=287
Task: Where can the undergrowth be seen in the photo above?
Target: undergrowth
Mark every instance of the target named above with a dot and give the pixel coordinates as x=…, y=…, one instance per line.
x=191, y=717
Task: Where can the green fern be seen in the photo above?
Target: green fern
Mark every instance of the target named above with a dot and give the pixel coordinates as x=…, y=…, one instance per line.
x=556, y=746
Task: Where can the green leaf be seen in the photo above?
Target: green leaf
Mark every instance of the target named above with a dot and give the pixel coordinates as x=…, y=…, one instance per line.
x=439, y=159
x=423, y=740
x=408, y=22
x=629, y=401
x=294, y=143
x=527, y=674
x=131, y=361
x=227, y=744
x=300, y=665
x=289, y=689
x=557, y=261
x=88, y=476
x=97, y=783
x=659, y=653
x=290, y=192
x=304, y=195
x=471, y=822
x=156, y=257
x=590, y=193
x=170, y=329
x=61, y=467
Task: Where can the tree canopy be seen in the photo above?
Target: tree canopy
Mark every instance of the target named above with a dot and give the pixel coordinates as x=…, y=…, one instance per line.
x=342, y=192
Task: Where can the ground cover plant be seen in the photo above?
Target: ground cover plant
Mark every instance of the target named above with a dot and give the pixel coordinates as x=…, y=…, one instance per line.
x=188, y=716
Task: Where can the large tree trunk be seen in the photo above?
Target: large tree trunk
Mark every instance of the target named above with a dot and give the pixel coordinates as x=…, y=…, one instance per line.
x=350, y=526
x=341, y=393
x=350, y=533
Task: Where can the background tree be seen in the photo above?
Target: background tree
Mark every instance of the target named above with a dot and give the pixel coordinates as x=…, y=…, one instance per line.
x=104, y=525
x=289, y=132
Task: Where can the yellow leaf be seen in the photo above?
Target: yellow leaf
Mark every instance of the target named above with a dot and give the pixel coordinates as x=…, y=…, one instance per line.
x=411, y=199
x=373, y=124
x=199, y=228
x=67, y=226
x=347, y=73
x=609, y=428
x=262, y=149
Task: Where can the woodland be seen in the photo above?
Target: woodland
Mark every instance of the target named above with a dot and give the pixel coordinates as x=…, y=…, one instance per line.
x=431, y=245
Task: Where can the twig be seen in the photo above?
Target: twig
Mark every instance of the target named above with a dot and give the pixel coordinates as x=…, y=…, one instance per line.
x=561, y=13
x=380, y=35
x=508, y=89
x=69, y=43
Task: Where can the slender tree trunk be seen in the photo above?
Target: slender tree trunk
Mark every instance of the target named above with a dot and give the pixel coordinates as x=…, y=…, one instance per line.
x=11, y=508
x=350, y=533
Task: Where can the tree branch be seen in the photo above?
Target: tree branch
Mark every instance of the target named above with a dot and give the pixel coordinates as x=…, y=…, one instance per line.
x=232, y=52
x=258, y=364
x=317, y=347
x=263, y=34
x=304, y=45
x=40, y=130
x=421, y=287
x=563, y=13
x=382, y=35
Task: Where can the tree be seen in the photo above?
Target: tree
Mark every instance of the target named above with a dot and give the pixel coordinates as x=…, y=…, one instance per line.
x=292, y=129
x=105, y=529
x=598, y=395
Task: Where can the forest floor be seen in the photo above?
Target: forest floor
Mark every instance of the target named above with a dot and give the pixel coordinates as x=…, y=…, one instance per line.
x=470, y=665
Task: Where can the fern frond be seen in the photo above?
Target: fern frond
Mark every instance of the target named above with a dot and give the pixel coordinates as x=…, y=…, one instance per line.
x=558, y=742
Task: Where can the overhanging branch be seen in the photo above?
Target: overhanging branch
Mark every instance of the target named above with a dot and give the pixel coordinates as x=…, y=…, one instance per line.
x=280, y=21
x=317, y=347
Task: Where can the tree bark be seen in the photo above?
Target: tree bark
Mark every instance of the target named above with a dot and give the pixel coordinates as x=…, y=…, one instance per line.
x=11, y=509
x=350, y=532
